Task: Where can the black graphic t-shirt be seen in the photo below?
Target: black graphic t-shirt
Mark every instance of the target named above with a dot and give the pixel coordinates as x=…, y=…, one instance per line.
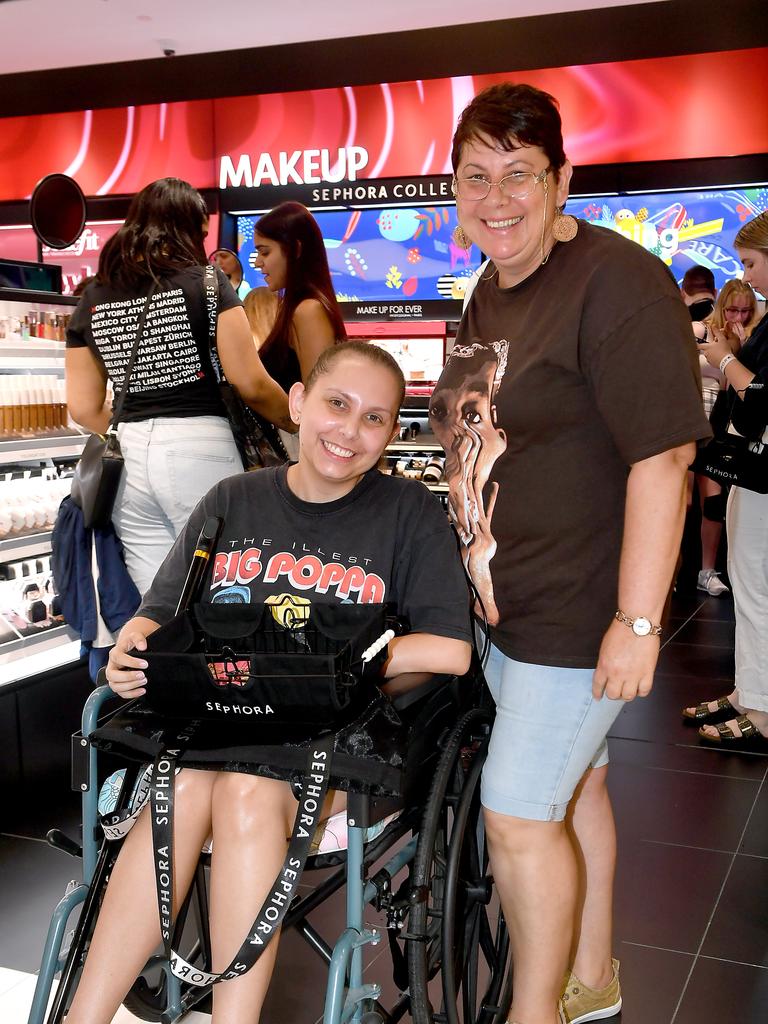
x=172, y=375
x=554, y=389
x=386, y=542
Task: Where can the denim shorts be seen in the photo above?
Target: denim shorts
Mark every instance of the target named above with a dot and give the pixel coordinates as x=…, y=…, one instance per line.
x=548, y=731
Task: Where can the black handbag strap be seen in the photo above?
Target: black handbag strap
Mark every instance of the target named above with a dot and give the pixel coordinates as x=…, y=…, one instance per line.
x=211, y=283
x=118, y=407
x=269, y=918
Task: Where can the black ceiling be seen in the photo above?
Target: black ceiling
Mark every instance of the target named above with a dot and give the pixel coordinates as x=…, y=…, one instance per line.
x=582, y=37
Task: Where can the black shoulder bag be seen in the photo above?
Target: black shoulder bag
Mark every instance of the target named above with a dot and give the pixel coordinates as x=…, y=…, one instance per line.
x=257, y=440
x=97, y=475
x=734, y=460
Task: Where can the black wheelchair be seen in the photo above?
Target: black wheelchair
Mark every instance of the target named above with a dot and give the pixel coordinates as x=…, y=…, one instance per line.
x=415, y=852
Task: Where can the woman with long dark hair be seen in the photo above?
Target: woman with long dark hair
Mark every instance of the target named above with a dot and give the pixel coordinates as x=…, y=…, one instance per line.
x=173, y=430
x=291, y=255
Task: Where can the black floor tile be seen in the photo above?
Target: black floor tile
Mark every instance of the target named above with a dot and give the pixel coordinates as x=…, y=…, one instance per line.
x=651, y=983
x=658, y=717
x=665, y=894
x=756, y=836
x=707, y=811
x=701, y=631
x=32, y=881
x=738, y=929
x=725, y=993
x=691, y=756
x=33, y=811
x=702, y=606
x=699, y=661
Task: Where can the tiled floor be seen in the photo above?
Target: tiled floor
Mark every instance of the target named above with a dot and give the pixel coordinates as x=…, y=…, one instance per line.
x=692, y=887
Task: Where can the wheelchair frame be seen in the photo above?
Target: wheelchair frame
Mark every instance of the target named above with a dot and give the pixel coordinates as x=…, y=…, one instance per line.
x=452, y=887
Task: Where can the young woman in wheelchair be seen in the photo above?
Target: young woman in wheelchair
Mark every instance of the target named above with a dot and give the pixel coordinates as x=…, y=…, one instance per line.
x=329, y=528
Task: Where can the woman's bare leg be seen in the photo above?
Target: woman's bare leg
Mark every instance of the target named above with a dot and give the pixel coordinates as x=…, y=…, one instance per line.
x=128, y=928
x=590, y=823
x=534, y=867
x=252, y=820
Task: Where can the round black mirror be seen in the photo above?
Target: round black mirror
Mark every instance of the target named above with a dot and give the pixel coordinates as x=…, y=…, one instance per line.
x=57, y=211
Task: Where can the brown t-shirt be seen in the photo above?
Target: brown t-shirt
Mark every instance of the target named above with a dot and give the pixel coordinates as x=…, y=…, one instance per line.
x=554, y=389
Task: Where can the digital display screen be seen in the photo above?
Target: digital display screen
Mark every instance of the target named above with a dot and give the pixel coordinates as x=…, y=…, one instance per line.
x=681, y=228
x=388, y=263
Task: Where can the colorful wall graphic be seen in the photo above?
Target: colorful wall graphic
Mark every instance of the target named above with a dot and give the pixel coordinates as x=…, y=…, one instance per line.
x=681, y=228
x=378, y=255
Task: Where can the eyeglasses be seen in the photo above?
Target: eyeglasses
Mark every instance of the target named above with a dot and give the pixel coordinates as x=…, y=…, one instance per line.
x=739, y=310
x=517, y=185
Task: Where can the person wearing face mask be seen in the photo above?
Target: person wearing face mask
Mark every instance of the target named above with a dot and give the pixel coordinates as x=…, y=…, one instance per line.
x=698, y=291
x=566, y=476
x=745, y=709
x=735, y=314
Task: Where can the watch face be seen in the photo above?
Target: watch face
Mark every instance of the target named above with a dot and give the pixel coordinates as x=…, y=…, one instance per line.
x=641, y=626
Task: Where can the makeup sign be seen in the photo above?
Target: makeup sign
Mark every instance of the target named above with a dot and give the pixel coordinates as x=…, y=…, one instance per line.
x=655, y=109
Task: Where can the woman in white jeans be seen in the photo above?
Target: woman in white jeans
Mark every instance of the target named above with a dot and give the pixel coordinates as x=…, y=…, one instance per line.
x=173, y=429
x=746, y=708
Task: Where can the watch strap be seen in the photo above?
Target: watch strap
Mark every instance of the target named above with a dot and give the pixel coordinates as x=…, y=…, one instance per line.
x=628, y=621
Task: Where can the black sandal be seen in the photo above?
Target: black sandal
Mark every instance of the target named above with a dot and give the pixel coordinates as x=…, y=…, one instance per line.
x=701, y=712
x=727, y=737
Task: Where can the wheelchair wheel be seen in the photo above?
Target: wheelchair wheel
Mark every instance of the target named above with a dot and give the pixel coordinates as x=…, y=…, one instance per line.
x=453, y=931
x=148, y=996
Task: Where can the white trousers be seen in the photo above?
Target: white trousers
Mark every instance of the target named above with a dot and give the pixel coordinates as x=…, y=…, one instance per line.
x=747, y=525
x=170, y=464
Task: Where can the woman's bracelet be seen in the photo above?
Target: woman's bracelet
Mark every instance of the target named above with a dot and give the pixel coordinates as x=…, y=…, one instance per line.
x=725, y=360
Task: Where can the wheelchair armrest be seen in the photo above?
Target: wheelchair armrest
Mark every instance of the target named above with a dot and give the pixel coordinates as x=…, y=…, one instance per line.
x=403, y=701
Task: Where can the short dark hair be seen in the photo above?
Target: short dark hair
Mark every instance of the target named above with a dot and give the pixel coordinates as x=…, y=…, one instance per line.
x=510, y=115
x=698, y=279
x=366, y=350
x=163, y=231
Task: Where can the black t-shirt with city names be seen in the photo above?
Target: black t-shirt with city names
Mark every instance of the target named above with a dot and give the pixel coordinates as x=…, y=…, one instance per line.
x=172, y=375
x=386, y=542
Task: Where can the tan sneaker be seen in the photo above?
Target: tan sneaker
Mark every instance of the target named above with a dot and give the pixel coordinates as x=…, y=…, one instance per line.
x=580, y=1003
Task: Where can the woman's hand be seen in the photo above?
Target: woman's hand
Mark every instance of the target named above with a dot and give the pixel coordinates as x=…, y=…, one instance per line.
x=125, y=672
x=717, y=349
x=625, y=665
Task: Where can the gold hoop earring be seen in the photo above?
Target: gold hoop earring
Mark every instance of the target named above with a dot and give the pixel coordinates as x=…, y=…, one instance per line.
x=564, y=227
x=461, y=238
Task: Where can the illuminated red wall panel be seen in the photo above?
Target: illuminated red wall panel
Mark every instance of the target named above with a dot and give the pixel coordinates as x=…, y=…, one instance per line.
x=668, y=108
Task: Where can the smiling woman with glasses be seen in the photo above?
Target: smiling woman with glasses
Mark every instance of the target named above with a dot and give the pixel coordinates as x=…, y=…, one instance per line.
x=566, y=472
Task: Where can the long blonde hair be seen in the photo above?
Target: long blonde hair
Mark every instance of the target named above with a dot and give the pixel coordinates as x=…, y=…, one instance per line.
x=754, y=234
x=260, y=306
x=728, y=292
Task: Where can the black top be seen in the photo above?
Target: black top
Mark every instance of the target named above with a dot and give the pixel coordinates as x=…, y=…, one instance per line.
x=172, y=375
x=553, y=390
x=386, y=542
x=750, y=416
x=282, y=364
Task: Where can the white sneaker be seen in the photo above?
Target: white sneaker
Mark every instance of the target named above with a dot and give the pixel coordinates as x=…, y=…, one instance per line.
x=711, y=584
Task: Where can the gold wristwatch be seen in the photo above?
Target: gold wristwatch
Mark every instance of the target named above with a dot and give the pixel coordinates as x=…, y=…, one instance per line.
x=640, y=626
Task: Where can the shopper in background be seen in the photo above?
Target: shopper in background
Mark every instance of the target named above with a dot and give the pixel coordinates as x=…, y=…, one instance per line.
x=260, y=305
x=698, y=291
x=746, y=708
x=175, y=438
x=735, y=314
x=290, y=252
x=229, y=263
x=291, y=255
x=567, y=476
